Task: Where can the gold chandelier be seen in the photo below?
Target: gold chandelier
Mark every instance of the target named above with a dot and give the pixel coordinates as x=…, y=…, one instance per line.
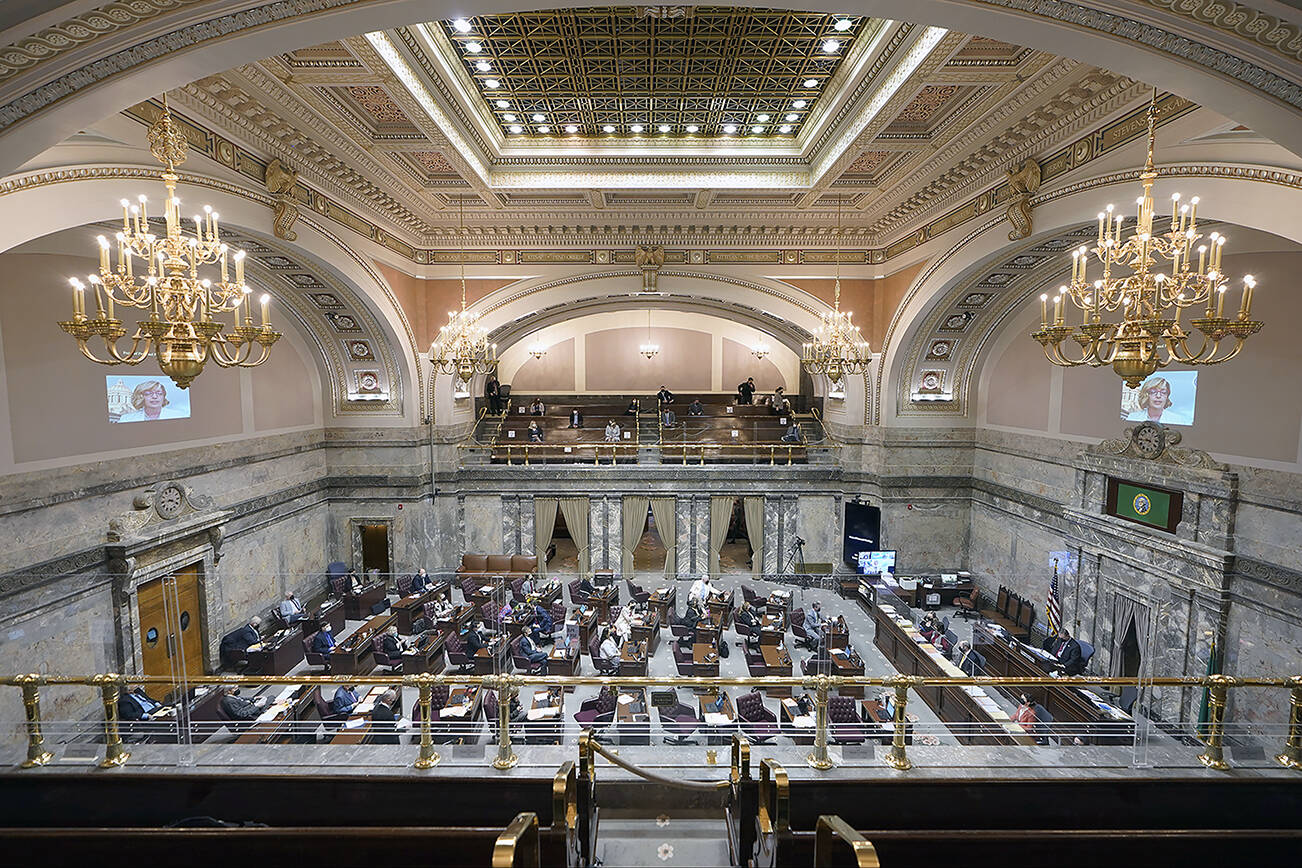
x=837, y=348
x=1149, y=302
x=649, y=349
x=182, y=331
x=462, y=347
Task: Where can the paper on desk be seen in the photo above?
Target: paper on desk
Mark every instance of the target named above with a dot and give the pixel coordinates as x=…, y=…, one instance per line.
x=364, y=707
x=454, y=711
x=286, y=694
x=403, y=723
x=803, y=720
x=625, y=699
x=256, y=646
x=270, y=713
x=717, y=718
x=354, y=723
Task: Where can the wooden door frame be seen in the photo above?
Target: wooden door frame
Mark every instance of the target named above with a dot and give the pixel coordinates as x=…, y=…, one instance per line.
x=126, y=592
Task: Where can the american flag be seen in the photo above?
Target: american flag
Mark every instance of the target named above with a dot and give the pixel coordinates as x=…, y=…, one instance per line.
x=1053, y=606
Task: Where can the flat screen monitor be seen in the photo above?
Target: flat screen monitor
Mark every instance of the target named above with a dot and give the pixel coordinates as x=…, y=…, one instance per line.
x=890, y=706
x=144, y=399
x=1167, y=398
x=877, y=563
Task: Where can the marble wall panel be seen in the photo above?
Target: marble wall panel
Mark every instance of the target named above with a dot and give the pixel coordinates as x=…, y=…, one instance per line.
x=818, y=520
x=482, y=528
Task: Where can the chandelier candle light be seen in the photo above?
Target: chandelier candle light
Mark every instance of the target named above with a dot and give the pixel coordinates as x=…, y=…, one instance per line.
x=182, y=330
x=1149, y=301
x=462, y=347
x=837, y=348
x=649, y=349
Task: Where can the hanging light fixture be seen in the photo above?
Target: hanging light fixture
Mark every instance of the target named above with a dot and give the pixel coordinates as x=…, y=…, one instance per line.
x=1147, y=301
x=462, y=347
x=649, y=349
x=760, y=350
x=837, y=348
x=537, y=350
x=182, y=331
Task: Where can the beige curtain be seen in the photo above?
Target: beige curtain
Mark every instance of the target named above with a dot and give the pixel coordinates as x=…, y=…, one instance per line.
x=544, y=524
x=720, y=513
x=634, y=522
x=754, y=510
x=575, y=510
x=667, y=526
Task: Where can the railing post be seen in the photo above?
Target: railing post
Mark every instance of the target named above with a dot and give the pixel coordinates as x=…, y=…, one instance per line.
x=37, y=755
x=819, y=758
x=114, y=753
x=428, y=756
x=772, y=450
x=897, y=758
x=1292, y=756
x=1213, y=756
x=506, y=691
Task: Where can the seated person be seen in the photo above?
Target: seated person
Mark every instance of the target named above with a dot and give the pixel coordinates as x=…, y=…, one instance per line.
x=354, y=583
x=609, y=648
x=529, y=648
x=421, y=582
x=586, y=588
x=390, y=643
x=291, y=610
x=235, y=644
x=970, y=660
x=385, y=730
x=612, y=432
x=664, y=396
x=137, y=705
x=794, y=434
x=746, y=615
x=543, y=626
x=634, y=407
x=1066, y=651
x=696, y=408
x=324, y=641
x=669, y=418
x=813, y=627
x=537, y=408
x=930, y=628
x=622, y=625
x=701, y=590
x=505, y=613
x=1025, y=713
x=535, y=433
x=476, y=638
x=576, y=418
x=345, y=699
x=236, y=707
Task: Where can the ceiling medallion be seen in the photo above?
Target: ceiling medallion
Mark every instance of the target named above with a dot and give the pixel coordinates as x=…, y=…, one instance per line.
x=182, y=331
x=1149, y=302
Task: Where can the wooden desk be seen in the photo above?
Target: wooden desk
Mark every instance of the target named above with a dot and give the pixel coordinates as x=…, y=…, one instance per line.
x=1068, y=705
x=720, y=608
x=546, y=593
x=721, y=732
x=632, y=717
x=426, y=654
x=777, y=663
x=947, y=592
x=886, y=728
x=847, y=666
x=280, y=652
x=779, y=601
x=357, y=607
x=799, y=728
x=411, y=607
x=564, y=662
x=911, y=655
x=586, y=617
x=632, y=659
x=330, y=612
x=664, y=601
x=458, y=715
x=493, y=659
x=705, y=660
x=838, y=634
x=517, y=623
x=352, y=656
x=279, y=725
x=360, y=717
x=647, y=629
x=601, y=600
x=456, y=619
x=545, y=720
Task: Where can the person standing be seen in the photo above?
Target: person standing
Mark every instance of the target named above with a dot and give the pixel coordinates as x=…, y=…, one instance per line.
x=493, y=392
x=746, y=391
x=576, y=418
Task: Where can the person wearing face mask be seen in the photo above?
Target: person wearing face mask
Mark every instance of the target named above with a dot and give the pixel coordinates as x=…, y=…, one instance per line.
x=324, y=641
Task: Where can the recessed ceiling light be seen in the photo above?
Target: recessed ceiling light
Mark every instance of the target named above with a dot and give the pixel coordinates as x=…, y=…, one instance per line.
x=793, y=116
x=800, y=103
x=516, y=128
x=785, y=128
x=539, y=117
x=636, y=128
x=501, y=103
x=730, y=128
x=692, y=128
x=509, y=117
x=483, y=65
x=664, y=128
x=831, y=46
x=608, y=129
x=461, y=25
x=762, y=118
x=843, y=25
x=811, y=82
x=571, y=128
x=757, y=129
x=492, y=83
x=544, y=129
x=474, y=47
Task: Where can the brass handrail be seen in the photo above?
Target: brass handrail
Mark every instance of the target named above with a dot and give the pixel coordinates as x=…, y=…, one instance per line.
x=829, y=831
x=518, y=846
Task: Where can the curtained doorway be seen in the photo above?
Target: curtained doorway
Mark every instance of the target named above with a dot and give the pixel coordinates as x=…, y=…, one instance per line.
x=650, y=552
x=735, y=557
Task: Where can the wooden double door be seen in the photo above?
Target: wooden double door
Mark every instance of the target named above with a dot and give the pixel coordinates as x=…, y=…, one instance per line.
x=170, y=615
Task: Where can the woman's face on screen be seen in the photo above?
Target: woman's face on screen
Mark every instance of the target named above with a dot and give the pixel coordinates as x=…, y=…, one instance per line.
x=154, y=399
x=1158, y=394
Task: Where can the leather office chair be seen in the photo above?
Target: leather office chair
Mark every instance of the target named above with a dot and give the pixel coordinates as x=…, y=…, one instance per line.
x=558, y=614
x=757, y=721
x=403, y=584
x=327, y=714
x=845, y=725
x=751, y=597
x=798, y=624
x=314, y=659
x=577, y=597
x=683, y=660
x=1001, y=601
x=967, y=606
x=457, y=656
x=1086, y=652
x=1127, y=700
x=393, y=664
x=469, y=587
x=517, y=590
x=679, y=723
x=635, y=592
x=523, y=663
x=755, y=664
x=597, y=712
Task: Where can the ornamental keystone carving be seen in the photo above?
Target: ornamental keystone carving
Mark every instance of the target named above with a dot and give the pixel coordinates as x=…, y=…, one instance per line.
x=1158, y=443
x=280, y=182
x=649, y=259
x=1023, y=183
x=164, y=503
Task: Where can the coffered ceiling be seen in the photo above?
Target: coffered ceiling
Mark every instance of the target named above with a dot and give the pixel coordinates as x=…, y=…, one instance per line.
x=766, y=121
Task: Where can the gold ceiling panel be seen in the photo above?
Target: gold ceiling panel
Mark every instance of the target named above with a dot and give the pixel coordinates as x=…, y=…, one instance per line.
x=622, y=72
